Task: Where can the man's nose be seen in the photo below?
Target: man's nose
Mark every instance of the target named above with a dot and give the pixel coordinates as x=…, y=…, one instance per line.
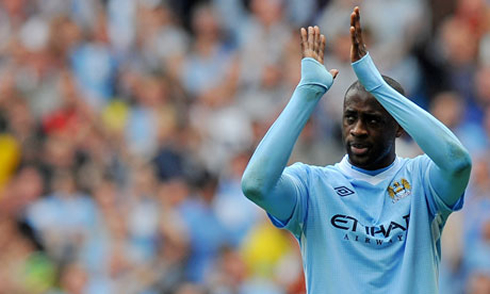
x=359, y=129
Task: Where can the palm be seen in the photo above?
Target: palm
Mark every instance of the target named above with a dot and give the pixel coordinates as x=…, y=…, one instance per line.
x=313, y=45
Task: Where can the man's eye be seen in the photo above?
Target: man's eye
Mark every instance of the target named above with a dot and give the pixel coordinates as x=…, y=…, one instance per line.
x=374, y=120
x=349, y=119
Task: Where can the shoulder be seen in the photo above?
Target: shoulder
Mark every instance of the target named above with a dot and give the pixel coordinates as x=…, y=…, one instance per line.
x=417, y=167
x=418, y=162
x=303, y=170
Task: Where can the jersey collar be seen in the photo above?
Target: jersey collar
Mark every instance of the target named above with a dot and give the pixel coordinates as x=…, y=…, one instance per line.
x=354, y=172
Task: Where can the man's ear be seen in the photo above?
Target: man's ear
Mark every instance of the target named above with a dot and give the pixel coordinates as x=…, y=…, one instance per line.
x=399, y=131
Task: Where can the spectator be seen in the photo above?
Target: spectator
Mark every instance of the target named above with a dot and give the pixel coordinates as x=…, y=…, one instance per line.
x=110, y=110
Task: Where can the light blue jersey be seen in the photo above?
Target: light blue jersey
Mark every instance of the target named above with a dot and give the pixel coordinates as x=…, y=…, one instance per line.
x=359, y=231
x=368, y=234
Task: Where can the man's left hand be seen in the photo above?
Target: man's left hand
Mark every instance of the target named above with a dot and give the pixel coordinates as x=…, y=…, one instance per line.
x=357, y=48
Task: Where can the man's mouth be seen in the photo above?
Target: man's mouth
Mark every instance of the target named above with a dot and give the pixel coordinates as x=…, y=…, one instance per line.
x=359, y=148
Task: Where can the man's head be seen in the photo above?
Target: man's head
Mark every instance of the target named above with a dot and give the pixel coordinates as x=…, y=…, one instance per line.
x=369, y=131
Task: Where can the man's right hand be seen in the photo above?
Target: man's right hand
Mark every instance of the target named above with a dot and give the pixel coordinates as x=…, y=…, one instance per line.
x=313, y=45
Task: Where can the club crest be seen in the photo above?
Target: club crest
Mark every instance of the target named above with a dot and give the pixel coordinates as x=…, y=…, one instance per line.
x=399, y=190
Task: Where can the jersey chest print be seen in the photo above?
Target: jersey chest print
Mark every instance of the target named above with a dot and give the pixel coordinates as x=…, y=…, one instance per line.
x=354, y=229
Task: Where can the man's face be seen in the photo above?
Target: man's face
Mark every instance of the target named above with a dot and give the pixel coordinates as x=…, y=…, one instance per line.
x=369, y=131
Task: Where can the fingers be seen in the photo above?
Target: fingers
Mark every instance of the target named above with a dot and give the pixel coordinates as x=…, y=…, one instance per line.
x=312, y=41
x=313, y=45
x=358, y=24
x=358, y=48
x=321, y=51
x=355, y=23
x=304, y=40
x=314, y=33
x=353, y=19
x=316, y=38
x=358, y=14
x=353, y=37
x=311, y=37
x=353, y=27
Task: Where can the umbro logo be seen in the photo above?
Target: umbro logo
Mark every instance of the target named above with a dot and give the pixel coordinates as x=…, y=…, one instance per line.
x=343, y=191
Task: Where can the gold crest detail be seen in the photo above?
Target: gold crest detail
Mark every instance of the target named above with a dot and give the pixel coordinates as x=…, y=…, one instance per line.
x=399, y=190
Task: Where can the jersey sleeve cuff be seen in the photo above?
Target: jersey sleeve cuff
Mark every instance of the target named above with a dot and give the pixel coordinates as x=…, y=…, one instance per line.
x=314, y=73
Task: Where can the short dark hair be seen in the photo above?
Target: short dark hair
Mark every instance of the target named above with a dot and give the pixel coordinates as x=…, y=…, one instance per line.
x=394, y=84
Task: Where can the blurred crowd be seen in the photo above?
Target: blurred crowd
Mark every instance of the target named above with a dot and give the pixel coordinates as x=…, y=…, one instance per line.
x=125, y=126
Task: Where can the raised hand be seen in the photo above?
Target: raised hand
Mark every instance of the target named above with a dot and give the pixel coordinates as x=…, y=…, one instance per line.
x=357, y=48
x=313, y=45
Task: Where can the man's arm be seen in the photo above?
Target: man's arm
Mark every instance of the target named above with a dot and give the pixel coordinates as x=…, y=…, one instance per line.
x=452, y=163
x=263, y=181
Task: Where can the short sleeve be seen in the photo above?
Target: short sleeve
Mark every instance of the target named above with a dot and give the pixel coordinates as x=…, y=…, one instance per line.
x=299, y=174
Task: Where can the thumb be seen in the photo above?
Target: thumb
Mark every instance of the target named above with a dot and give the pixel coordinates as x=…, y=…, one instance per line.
x=334, y=72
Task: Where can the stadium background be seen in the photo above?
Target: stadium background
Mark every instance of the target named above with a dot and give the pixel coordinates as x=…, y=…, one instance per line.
x=125, y=126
